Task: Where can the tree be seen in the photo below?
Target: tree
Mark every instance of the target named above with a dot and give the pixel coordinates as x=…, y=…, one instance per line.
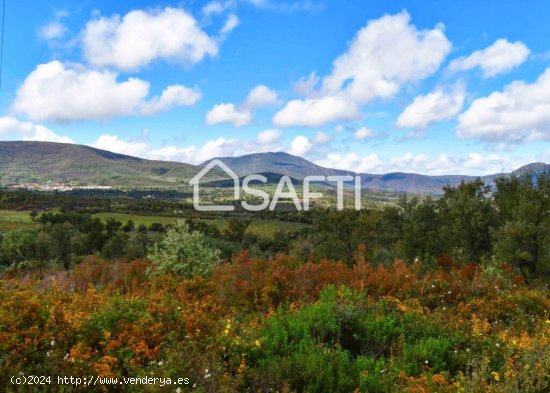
x=468, y=217
x=18, y=245
x=184, y=252
x=235, y=229
x=523, y=205
x=422, y=229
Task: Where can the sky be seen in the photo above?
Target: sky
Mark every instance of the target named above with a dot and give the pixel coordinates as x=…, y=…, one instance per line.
x=370, y=86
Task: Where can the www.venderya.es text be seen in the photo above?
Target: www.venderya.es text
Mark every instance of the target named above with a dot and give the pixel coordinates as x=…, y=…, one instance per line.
x=94, y=380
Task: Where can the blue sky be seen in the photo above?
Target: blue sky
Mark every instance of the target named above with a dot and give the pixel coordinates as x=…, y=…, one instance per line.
x=373, y=86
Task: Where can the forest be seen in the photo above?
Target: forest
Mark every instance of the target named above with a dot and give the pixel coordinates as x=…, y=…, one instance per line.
x=427, y=294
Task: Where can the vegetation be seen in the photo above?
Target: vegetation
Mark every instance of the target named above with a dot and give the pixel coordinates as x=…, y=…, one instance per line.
x=431, y=295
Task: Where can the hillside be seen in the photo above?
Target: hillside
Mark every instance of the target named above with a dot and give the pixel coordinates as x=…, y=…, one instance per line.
x=40, y=162
x=279, y=162
x=298, y=168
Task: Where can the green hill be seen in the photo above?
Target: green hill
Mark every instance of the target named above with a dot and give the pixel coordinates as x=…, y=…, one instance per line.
x=40, y=162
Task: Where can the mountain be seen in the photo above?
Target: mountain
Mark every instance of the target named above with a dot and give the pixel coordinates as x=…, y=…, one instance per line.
x=40, y=162
x=282, y=163
x=298, y=168
x=535, y=167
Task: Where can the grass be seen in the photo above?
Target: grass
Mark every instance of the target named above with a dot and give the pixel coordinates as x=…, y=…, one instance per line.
x=11, y=220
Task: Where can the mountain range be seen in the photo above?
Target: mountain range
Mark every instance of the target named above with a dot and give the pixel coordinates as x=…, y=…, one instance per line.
x=42, y=162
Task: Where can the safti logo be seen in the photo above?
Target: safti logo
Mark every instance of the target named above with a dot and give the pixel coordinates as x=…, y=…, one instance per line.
x=285, y=190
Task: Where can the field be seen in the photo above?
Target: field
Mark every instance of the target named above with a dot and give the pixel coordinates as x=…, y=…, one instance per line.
x=10, y=220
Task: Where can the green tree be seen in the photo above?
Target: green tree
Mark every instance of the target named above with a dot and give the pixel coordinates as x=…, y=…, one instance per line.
x=18, y=245
x=467, y=218
x=184, y=252
x=422, y=229
x=523, y=205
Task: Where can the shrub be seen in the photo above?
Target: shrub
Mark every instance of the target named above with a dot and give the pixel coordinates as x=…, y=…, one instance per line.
x=184, y=252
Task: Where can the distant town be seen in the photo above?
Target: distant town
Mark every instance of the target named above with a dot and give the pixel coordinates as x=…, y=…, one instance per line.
x=49, y=186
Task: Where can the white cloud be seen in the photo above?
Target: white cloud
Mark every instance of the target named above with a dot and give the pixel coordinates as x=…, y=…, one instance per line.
x=305, y=87
x=387, y=53
x=140, y=37
x=228, y=113
x=300, y=146
x=436, y=106
x=213, y=8
x=520, y=112
x=65, y=93
x=269, y=137
x=230, y=24
x=116, y=145
x=193, y=154
x=316, y=112
x=322, y=138
x=29, y=131
x=172, y=96
x=500, y=57
x=259, y=96
x=473, y=164
x=52, y=31
x=241, y=115
x=364, y=133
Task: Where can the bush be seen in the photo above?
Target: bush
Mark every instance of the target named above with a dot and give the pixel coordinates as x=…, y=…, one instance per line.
x=184, y=252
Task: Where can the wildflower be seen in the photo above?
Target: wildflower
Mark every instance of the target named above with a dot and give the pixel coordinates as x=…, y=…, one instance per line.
x=160, y=363
x=426, y=362
x=495, y=376
x=497, y=345
x=547, y=322
x=178, y=390
x=52, y=343
x=257, y=342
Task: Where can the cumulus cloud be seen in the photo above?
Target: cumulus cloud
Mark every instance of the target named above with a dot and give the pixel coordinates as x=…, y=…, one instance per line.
x=520, y=112
x=193, y=154
x=316, y=112
x=305, y=87
x=364, y=133
x=474, y=164
x=300, y=146
x=29, y=131
x=269, y=137
x=116, y=145
x=384, y=55
x=259, y=96
x=52, y=31
x=64, y=93
x=141, y=37
x=436, y=106
x=228, y=113
x=241, y=115
x=502, y=56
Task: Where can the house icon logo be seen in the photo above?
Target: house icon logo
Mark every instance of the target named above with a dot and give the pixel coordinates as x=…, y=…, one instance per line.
x=195, y=182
